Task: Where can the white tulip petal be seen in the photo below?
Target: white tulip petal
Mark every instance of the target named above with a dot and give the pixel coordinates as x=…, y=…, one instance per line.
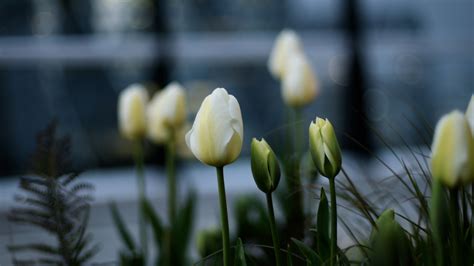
x=166, y=112
x=217, y=132
x=286, y=43
x=299, y=83
x=452, y=150
x=470, y=114
x=132, y=111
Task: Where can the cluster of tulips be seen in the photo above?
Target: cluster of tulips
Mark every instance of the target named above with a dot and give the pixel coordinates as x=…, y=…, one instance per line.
x=216, y=139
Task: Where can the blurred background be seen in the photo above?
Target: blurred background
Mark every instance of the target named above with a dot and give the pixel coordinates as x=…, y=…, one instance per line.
x=385, y=68
x=379, y=63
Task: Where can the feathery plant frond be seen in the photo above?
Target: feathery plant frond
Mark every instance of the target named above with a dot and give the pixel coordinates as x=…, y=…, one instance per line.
x=52, y=200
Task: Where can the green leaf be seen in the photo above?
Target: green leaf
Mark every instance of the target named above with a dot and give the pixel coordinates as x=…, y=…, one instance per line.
x=289, y=260
x=154, y=220
x=130, y=258
x=185, y=220
x=38, y=247
x=181, y=231
x=123, y=231
x=323, y=245
x=239, y=254
x=312, y=258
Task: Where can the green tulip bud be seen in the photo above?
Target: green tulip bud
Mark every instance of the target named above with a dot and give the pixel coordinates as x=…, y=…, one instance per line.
x=324, y=147
x=390, y=244
x=265, y=168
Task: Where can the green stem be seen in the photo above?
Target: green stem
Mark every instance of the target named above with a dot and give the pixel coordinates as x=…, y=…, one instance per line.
x=454, y=221
x=332, y=187
x=276, y=240
x=224, y=218
x=298, y=135
x=295, y=217
x=470, y=226
x=171, y=175
x=436, y=212
x=139, y=165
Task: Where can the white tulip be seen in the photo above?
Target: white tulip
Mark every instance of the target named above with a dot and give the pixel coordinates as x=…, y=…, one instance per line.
x=453, y=150
x=299, y=85
x=166, y=112
x=131, y=111
x=286, y=44
x=470, y=114
x=217, y=133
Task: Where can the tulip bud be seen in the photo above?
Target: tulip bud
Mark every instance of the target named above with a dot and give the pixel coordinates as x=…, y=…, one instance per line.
x=217, y=133
x=324, y=148
x=390, y=244
x=299, y=85
x=453, y=150
x=131, y=111
x=166, y=112
x=470, y=114
x=265, y=168
x=286, y=44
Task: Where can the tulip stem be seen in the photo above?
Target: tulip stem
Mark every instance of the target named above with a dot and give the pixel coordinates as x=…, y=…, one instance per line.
x=276, y=240
x=332, y=187
x=436, y=207
x=224, y=218
x=454, y=217
x=139, y=165
x=171, y=174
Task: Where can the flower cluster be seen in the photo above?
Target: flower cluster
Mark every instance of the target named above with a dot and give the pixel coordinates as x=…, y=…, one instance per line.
x=217, y=135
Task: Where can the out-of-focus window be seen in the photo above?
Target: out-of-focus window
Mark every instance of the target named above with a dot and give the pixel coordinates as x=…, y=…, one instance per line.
x=69, y=59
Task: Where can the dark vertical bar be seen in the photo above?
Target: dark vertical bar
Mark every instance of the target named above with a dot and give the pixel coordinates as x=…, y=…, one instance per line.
x=355, y=103
x=75, y=17
x=162, y=68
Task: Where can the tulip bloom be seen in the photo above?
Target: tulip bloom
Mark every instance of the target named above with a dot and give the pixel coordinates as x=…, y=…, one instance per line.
x=132, y=123
x=470, y=114
x=166, y=113
x=217, y=133
x=453, y=150
x=216, y=139
x=131, y=111
x=299, y=85
x=286, y=44
x=324, y=147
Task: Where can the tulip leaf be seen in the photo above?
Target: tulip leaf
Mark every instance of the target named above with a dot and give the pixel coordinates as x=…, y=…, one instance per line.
x=289, y=260
x=130, y=258
x=239, y=254
x=154, y=220
x=185, y=219
x=122, y=229
x=323, y=240
x=312, y=258
x=180, y=231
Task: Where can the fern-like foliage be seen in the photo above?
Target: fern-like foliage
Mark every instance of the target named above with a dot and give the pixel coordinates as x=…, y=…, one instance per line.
x=52, y=200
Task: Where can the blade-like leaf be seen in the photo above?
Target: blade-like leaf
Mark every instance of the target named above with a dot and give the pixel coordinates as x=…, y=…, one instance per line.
x=289, y=260
x=123, y=231
x=185, y=220
x=239, y=254
x=311, y=256
x=154, y=220
x=38, y=247
x=323, y=227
